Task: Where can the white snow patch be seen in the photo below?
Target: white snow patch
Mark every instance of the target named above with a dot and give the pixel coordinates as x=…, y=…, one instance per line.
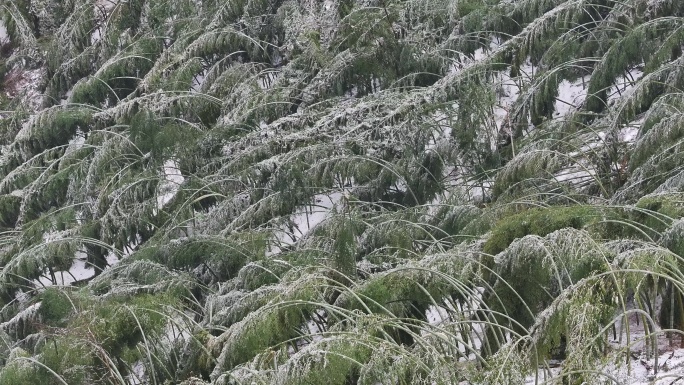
x=268, y=78
x=479, y=54
x=442, y=132
x=641, y=368
x=113, y=257
x=312, y=330
x=303, y=220
x=436, y=314
x=479, y=190
x=3, y=31
x=630, y=132
x=77, y=141
x=21, y=296
x=107, y=5
x=26, y=84
x=78, y=271
x=624, y=84
x=95, y=36
x=137, y=375
x=198, y=81
x=570, y=96
x=169, y=187
x=575, y=176
x=455, y=313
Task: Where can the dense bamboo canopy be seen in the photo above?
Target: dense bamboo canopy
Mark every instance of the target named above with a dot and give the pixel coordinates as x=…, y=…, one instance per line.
x=337, y=191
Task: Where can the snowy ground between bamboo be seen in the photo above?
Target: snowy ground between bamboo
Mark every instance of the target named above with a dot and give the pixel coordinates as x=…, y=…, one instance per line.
x=639, y=369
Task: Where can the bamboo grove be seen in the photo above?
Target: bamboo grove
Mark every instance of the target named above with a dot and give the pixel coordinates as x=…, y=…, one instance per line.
x=288, y=191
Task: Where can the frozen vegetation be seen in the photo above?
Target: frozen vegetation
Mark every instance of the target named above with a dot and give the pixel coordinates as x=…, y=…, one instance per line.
x=205, y=192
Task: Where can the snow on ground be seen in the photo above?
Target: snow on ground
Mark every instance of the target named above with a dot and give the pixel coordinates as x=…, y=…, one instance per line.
x=575, y=175
x=77, y=272
x=3, y=31
x=268, y=78
x=137, y=375
x=77, y=142
x=481, y=53
x=80, y=269
x=107, y=5
x=641, y=368
x=95, y=36
x=102, y=9
x=479, y=190
x=198, y=81
x=570, y=96
x=303, y=220
x=582, y=171
x=172, y=179
x=25, y=84
x=442, y=316
x=630, y=132
x=442, y=133
x=508, y=89
x=624, y=84
x=312, y=330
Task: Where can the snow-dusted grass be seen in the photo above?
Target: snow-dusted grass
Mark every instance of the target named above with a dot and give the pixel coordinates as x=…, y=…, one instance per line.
x=630, y=360
x=296, y=329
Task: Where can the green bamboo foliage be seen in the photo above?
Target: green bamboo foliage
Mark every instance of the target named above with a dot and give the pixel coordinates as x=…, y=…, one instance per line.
x=343, y=192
